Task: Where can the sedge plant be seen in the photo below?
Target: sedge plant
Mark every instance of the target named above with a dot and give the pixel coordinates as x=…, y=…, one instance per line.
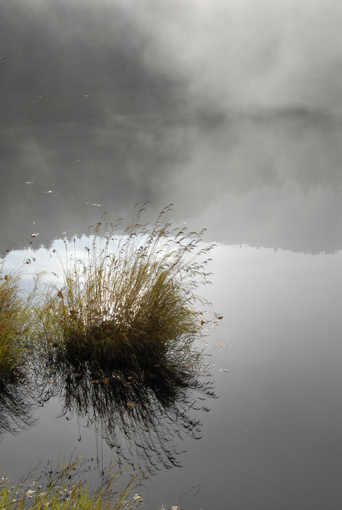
x=131, y=301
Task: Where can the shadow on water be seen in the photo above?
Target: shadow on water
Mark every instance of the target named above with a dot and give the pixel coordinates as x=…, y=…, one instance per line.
x=141, y=416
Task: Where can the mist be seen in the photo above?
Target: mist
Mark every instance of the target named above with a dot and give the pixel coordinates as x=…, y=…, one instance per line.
x=197, y=103
x=249, y=54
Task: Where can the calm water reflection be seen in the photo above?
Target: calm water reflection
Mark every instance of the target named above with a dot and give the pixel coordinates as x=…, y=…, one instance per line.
x=17, y=406
x=272, y=182
x=140, y=415
x=276, y=364
x=231, y=111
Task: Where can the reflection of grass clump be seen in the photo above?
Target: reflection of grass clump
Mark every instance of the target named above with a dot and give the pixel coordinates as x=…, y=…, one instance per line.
x=131, y=303
x=140, y=415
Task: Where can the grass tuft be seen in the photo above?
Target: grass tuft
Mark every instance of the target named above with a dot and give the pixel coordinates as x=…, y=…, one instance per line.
x=130, y=302
x=66, y=491
x=15, y=322
x=18, y=321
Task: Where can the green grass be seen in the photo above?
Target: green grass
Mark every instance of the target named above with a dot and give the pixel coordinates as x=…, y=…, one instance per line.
x=131, y=302
x=14, y=324
x=18, y=321
x=65, y=490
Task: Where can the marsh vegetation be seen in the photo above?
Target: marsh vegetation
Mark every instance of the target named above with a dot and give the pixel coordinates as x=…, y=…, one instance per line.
x=130, y=301
x=61, y=487
x=17, y=323
x=118, y=341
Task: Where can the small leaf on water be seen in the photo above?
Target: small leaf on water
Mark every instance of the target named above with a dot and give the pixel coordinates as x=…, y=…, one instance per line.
x=6, y=277
x=94, y=381
x=130, y=404
x=138, y=498
x=105, y=381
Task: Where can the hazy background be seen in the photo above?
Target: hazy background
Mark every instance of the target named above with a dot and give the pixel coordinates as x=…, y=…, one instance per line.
x=230, y=110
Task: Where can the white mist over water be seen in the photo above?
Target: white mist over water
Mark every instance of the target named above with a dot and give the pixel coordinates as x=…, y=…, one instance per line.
x=249, y=54
x=197, y=103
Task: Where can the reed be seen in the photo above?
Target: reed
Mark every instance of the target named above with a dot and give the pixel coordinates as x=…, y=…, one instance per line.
x=131, y=301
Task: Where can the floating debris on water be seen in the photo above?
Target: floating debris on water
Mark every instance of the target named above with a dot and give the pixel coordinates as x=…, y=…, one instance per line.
x=136, y=497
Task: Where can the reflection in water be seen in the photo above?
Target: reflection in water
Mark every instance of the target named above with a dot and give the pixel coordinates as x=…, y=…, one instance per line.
x=17, y=406
x=139, y=415
x=272, y=179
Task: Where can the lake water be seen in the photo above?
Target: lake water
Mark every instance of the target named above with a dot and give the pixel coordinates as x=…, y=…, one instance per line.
x=79, y=138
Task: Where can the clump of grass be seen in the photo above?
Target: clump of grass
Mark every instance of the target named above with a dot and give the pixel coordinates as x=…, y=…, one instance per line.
x=66, y=491
x=131, y=302
x=14, y=323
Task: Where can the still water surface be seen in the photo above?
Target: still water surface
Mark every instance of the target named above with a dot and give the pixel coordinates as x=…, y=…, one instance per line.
x=259, y=167
x=273, y=435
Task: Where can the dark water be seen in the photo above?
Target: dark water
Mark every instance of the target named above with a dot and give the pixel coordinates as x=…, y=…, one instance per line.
x=102, y=108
